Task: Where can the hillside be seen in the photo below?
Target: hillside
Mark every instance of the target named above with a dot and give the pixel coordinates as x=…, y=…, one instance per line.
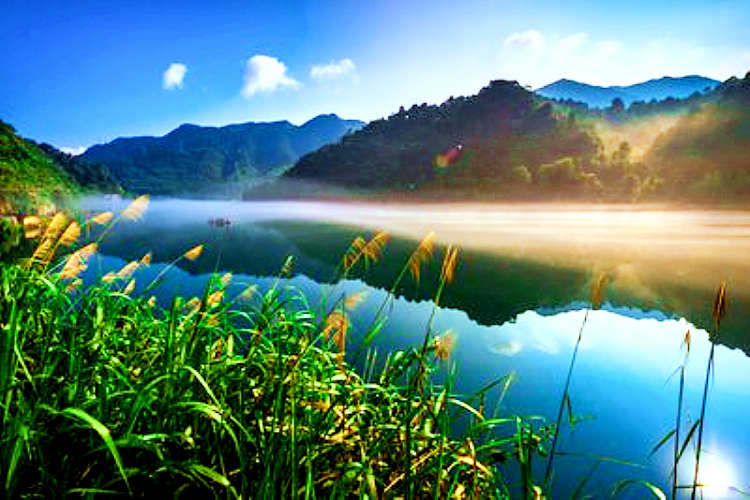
x=192, y=158
x=601, y=97
x=28, y=177
x=705, y=154
x=494, y=136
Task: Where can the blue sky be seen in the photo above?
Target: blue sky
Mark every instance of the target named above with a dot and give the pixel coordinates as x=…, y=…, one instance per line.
x=79, y=73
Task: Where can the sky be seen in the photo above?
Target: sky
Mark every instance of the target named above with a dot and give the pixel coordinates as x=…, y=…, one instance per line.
x=76, y=73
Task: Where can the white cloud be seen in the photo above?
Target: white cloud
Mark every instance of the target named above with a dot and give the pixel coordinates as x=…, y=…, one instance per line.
x=266, y=74
x=607, y=48
x=173, y=76
x=74, y=151
x=572, y=42
x=333, y=69
x=529, y=39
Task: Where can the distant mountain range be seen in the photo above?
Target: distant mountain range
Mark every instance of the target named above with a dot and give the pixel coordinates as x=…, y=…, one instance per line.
x=600, y=97
x=192, y=159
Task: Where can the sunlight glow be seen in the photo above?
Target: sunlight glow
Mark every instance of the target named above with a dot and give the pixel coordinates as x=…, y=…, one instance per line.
x=716, y=476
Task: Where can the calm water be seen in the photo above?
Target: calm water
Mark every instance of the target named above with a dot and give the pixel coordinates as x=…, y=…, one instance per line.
x=516, y=307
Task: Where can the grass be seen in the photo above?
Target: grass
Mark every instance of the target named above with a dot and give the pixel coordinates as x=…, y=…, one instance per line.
x=106, y=393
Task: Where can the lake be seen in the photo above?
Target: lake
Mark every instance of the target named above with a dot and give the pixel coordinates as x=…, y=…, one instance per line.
x=516, y=307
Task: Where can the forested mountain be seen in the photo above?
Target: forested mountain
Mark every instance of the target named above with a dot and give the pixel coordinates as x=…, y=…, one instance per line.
x=507, y=143
x=656, y=89
x=191, y=157
x=34, y=174
x=494, y=136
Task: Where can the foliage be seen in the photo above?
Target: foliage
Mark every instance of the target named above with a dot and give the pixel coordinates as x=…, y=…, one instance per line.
x=28, y=178
x=215, y=397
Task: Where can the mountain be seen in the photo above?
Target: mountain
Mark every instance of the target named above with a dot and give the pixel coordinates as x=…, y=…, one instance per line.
x=192, y=159
x=601, y=97
x=485, y=139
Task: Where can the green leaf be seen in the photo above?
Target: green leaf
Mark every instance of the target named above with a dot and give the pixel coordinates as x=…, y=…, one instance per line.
x=662, y=441
x=103, y=431
x=655, y=490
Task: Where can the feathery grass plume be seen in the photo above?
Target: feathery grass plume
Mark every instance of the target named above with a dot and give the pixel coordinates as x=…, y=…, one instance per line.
x=102, y=218
x=32, y=226
x=354, y=253
x=129, y=287
x=127, y=269
x=336, y=323
x=355, y=299
x=151, y=301
x=56, y=226
x=135, y=210
x=145, y=260
x=76, y=262
x=448, y=271
x=225, y=279
x=421, y=254
x=109, y=277
x=597, y=290
x=71, y=234
x=194, y=252
x=373, y=249
x=43, y=252
x=444, y=345
x=286, y=269
x=215, y=298
x=719, y=309
x=193, y=304
x=73, y=285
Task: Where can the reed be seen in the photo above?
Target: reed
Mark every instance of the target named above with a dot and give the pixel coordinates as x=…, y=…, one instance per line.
x=597, y=295
x=719, y=310
x=105, y=392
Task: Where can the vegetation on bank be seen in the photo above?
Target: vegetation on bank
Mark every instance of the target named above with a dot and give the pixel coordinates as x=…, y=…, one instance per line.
x=106, y=393
x=37, y=177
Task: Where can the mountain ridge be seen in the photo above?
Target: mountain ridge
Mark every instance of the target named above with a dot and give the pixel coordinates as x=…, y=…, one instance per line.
x=602, y=96
x=191, y=157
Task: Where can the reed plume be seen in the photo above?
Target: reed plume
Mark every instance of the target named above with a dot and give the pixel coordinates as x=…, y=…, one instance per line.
x=145, y=260
x=109, y=277
x=225, y=279
x=55, y=226
x=373, y=249
x=450, y=259
x=194, y=252
x=32, y=226
x=597, y=290
x=76, y=262
x=129, y=287
x=354, y=253
x=421, y=254
x=444, y=345
x=214, y=299
x=71, y=234
x=135, y=210
x=151, y=301
x=102, y=218
x=355, y=299
x=127, y=269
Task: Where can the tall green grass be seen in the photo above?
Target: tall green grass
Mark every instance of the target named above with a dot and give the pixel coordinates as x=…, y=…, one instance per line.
x=105, y=393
